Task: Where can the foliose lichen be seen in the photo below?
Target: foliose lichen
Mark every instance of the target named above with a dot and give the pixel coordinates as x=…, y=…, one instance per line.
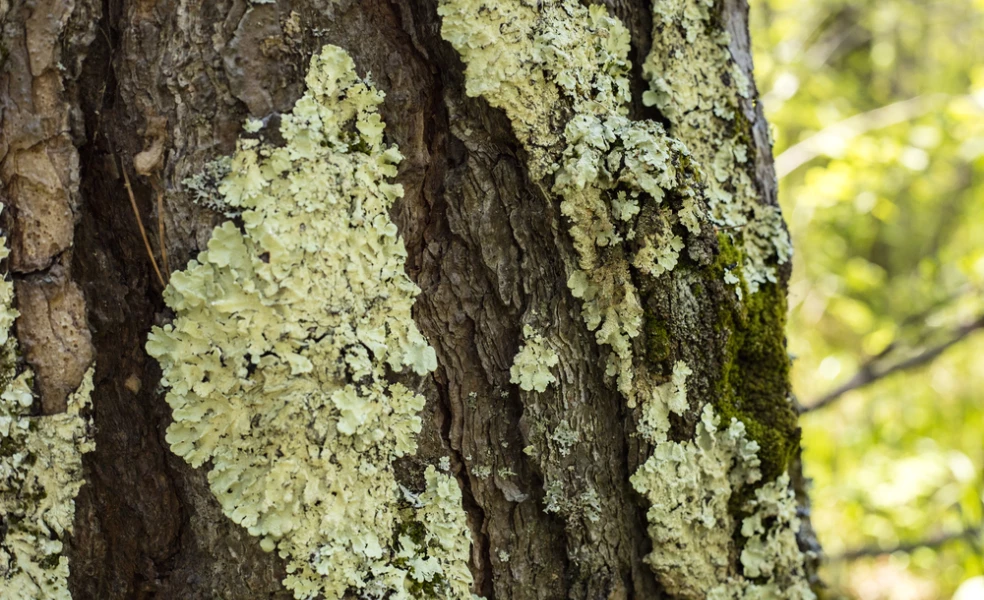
x=697, y=86
x=689, y=485
x=278, y=359
x=560, y=72
x=654, y=424
x=40, y=472
x=632, y=193
x=531, y=365
x=771, y=559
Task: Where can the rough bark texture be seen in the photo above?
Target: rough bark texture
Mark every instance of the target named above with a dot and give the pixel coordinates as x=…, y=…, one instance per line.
x=160, y=87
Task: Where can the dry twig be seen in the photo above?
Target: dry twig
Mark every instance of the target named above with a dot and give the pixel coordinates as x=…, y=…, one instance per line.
x=143, y=232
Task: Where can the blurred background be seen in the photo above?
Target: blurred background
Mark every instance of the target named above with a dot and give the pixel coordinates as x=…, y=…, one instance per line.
x=877, y=110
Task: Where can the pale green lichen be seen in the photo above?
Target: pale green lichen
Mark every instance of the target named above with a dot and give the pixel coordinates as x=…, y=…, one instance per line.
x=732, y=279
x=688, y=485
x=40, y=473
x=654, y=424
x=531, y=365
x=560, y=70
x=771, y=555
x=697, y=85
x=278, y=359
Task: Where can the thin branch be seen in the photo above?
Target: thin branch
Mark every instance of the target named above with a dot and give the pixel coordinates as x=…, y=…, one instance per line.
x=964, y=291
x=933, y=542
x=871, y=372
x=841, y=132
x=143, y=232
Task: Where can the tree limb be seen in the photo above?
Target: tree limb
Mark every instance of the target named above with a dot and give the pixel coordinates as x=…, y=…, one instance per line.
x=871, y=372
x=932, y=542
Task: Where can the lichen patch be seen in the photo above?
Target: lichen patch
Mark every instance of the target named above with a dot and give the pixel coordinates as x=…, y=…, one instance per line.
x=688, y=486
x=560, y=72
x=276, y=363
x=531, y=366
x=631, y=193
x=696, y=85
x=40, y=472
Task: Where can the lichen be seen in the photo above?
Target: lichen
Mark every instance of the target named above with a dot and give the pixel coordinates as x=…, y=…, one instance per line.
x=654, y=424
x=692, y=487
x=40, y=473
x=557, y=500
x=771, y=559
x=698, y=86
x=689, y=486
x=203, y=186
x=560, y=72
x=531, y=366
x=632, y=196
x=278, y=361
x=565, y=437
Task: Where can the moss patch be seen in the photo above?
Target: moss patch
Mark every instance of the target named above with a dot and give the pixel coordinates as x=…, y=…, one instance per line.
x=753, y=384
x=657, y=340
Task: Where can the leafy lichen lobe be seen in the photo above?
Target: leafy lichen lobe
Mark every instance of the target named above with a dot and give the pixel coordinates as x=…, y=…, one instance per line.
x=276, y=364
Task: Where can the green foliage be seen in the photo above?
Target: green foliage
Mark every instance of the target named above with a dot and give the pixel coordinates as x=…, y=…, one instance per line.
x=878, y=117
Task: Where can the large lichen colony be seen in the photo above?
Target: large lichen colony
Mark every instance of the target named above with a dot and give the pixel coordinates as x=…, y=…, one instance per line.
x=524, y=60
x=40, y=472
x=277, y=362
x=560, y=72
x=695, y=84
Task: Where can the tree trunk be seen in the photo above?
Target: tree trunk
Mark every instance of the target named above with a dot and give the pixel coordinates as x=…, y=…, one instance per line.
x=99, y=97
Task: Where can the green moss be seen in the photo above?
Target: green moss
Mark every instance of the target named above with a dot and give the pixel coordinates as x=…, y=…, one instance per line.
x=728, y=256
x=753, y=384
x=657, y=340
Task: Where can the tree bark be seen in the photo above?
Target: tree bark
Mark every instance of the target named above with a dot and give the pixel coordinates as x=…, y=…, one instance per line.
x=158, y=88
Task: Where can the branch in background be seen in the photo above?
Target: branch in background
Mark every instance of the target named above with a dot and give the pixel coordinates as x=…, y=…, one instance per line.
x=841, y=132
x=871, y=371
x=934, y=542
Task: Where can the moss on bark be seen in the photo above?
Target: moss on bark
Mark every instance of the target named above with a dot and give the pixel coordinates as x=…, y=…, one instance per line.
x=753, y=383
